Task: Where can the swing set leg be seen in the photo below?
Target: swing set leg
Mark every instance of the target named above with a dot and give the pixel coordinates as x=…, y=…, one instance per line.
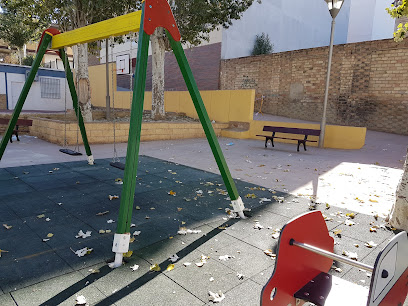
x=24, y=92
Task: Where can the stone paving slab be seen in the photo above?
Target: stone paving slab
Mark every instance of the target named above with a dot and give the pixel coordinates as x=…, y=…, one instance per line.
x=72, y=196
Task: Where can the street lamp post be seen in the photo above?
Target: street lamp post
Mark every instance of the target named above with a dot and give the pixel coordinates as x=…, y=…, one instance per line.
x=334, y=8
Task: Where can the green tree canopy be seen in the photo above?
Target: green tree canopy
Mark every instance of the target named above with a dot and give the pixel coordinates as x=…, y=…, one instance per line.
x=262, y=45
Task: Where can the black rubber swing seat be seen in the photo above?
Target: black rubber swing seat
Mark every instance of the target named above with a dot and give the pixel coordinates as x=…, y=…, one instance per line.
x=70, y=152
x=118, y=165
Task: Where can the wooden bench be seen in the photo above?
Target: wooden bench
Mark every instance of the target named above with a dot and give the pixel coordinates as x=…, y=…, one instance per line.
x=287, y=130
x=20, y=122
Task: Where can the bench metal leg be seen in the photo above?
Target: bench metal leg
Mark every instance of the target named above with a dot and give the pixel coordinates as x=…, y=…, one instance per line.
x=298, y=145
x=304, y=145
x=266, y=142
x=272, y=142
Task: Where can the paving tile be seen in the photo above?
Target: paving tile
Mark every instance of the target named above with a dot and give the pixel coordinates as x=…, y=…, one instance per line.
x=248, y=259
x=6, y=213
x=263, y=277
x=6, y=176
x=43, y=182
x=31, y=270
x=31, y=204
x=14, y=187
x=21, y=171
x=61, y=290
x=102, y=250
x=7, y=300
x=19, y=229
x=245, y=294
x=197, y=280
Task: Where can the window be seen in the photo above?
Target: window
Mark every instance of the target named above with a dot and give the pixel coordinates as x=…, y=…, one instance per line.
x=50, y=88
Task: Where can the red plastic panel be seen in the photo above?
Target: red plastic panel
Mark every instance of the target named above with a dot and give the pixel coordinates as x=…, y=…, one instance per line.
x=158, y=14
x=295, y=266
x=398, y=293
x=51, y=31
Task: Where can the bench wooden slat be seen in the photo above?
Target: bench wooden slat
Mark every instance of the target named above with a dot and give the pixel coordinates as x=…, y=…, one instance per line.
x=22, y=122
x=269, y=136
x=279, y=129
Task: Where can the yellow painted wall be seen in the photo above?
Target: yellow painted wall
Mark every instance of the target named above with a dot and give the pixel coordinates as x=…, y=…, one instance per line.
x=221, y=105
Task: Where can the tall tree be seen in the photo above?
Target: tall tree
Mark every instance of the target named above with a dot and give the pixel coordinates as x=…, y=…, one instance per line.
x=398, y=216
x=196, y=19
x=69, y=15
x=16, y=29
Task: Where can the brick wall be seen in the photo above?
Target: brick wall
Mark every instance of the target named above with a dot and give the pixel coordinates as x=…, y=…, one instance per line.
x=3, y=102
x=367, y=87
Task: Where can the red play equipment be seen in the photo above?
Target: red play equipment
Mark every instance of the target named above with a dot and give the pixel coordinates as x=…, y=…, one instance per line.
x=305, y=255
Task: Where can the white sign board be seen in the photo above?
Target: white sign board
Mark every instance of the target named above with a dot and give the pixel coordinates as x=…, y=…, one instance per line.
x=122, y=64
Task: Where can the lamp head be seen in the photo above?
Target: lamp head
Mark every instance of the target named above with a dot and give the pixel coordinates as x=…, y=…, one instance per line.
x=334, y=6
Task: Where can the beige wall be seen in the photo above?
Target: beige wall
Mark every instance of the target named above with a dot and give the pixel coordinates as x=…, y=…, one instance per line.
x=221, y=105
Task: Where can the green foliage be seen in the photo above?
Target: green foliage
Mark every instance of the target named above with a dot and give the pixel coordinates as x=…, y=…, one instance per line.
x=262, y=45
x=28, y=60
x=399, y=9
x=16, y=28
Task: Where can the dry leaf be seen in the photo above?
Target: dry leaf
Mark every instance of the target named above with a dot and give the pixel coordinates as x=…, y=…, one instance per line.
x=351, y=215
x=102, y=213
x=374, y=201
x=134, y=267
x=170, y=267
x=174, y=258
x=216, y=297
x=171, y=192
x=349, y=223
x=373, y=229
x=112, y=197
x=240, y=276
x=3, y=251
x=270, y=253
x=80, y=300
x=251, y=195
x=40, y=216
x=93, y=271
x=370, y=244
x=83, y=252
x=83, y=235
x=350, y=255
x=337, y=233
x=155, y=267
x=128, y=254
x=50, y=235
x=225, y=257
x=7, y=226
x=137, y=207
x=179, y=208
x=186, y=264
x=136, y=233
x=110, y=221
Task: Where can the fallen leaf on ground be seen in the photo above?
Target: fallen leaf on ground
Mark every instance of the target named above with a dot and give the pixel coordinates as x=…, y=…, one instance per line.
x=337, y=233
x=370, y=244
x=258, y=226
x=349, y=223
x=374, y=201
x=102, y=213
x=171, y=192
x=211, y=279
x=80, y=300
x=40, y=216
x=270, y=253
x=81, y=234
x=350, y=255
x=50, y=235
x=251, y=195
x=93, y=271
x=155, y=267
x=137, y=207
x=136, y=233
x=3, y=251
x=112, y=197
x=179, y=208
x=110, y=221
x=134, y=267
x=216, y=297
x=275, y=236
x=174, y=258
x=7, y=227
x=170, y=267
x=225, y=257
x=186, y=264
x=128, y=254
x=82, y=252
x=185, y=231
x=373, y=229
x=263, y=200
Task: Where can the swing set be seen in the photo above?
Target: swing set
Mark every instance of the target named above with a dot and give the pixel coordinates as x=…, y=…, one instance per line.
x=154, y=13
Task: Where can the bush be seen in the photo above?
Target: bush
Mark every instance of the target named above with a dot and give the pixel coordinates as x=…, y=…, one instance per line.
x=28, y=60
x=262, y=45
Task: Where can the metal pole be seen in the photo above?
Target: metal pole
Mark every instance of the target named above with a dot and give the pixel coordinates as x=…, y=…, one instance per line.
x=107, y=80
x=24, y=92
x=333, y=256
x=326, y=93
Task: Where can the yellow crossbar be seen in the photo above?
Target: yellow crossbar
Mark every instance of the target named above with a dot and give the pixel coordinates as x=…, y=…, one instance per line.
x=112, y=27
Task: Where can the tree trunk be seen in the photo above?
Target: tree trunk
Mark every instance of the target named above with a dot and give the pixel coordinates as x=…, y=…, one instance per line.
x=82, y=80
x=398, y=217
x=158, y=50
x=20, y=53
